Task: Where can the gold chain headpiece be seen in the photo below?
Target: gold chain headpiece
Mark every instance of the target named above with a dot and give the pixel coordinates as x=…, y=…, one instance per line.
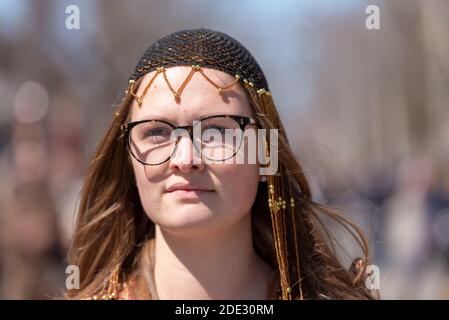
x=177, y=93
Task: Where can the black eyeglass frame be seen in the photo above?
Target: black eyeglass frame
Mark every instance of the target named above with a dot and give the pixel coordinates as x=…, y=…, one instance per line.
x=126, y=128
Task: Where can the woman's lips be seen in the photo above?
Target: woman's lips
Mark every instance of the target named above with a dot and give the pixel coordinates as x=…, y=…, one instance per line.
x=188, y=191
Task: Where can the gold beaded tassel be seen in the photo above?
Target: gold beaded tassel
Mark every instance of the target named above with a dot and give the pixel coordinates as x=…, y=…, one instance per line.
x=293, y=221
x=111, y=291
x=276, y=206
x=279, y=208
x=113, y=285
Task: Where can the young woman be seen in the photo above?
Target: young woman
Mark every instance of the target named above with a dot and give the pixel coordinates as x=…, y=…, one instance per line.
x=168, y=211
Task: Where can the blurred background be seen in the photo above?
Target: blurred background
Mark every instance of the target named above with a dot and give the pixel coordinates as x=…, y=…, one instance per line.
x=367, y=111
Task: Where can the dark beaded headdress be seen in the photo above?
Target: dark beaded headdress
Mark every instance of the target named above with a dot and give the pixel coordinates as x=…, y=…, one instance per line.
x=203, y=47
x=199, y=48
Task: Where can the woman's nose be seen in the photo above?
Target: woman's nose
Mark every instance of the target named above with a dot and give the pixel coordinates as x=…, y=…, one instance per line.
x=185, y=157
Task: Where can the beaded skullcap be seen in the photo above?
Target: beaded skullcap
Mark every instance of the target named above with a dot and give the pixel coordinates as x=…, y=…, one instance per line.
x=202, y=48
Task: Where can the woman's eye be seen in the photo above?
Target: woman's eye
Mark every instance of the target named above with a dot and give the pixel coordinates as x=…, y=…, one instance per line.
x=157, y=133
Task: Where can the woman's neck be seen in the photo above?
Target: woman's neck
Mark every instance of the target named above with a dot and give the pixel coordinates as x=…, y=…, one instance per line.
x=216, y=265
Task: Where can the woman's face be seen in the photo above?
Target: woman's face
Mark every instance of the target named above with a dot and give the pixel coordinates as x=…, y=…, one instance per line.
x=231, y=187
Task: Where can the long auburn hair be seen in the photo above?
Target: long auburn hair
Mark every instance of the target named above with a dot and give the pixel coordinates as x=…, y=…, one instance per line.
x=113, y=235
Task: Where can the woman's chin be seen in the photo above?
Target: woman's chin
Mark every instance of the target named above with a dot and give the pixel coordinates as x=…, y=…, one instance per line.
x=187, y=220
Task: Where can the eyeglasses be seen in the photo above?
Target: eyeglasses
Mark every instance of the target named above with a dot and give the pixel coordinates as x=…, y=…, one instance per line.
x=216, y=138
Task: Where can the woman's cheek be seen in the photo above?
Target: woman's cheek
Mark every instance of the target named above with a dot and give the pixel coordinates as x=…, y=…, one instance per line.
x=149, y=193
x=239, y=184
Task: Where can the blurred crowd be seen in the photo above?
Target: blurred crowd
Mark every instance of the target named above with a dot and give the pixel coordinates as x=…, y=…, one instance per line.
x=40, y=170
x=370, y=120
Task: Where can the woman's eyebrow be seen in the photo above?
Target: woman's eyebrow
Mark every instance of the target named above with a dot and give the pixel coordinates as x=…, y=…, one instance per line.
x=155, y=117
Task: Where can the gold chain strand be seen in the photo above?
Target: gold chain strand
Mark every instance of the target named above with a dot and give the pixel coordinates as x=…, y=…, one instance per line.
x=271, y=205
x=177, y=93
x=130, y=90
x=278, y=236
x=284, y=235
x=277, y=224
x=140, y=100
x=220, y=89
x=111, y=289
x=280, y=228
x=286, y=247
x=184, y=84
x=293, y=213
x=273, y=221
